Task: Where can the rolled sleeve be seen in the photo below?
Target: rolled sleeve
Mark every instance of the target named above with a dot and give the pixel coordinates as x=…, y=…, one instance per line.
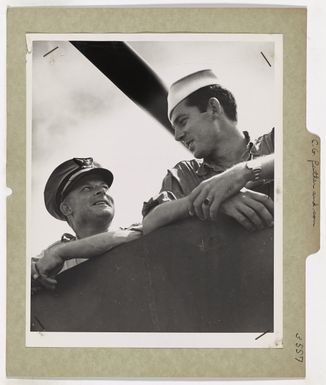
x=264, y=145
x=178, y=182
x=162, y=197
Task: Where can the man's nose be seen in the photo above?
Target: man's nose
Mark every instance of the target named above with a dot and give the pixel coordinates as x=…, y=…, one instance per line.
x=178, y=134
x=100, y=190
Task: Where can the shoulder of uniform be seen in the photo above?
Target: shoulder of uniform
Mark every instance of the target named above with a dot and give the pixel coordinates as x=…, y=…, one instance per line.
x=186, y=164
x=268, y=136
x=265, y=143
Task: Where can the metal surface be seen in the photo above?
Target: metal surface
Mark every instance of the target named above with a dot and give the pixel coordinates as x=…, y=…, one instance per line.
x=191, y=276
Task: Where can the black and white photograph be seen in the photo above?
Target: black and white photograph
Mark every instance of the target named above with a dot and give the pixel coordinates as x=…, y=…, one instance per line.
x=154, y=190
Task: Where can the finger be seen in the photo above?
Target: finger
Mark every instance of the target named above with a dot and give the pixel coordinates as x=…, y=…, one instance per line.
x=136, y=235
x=47, y=282
x=217, y=200
x=263, y=198
x=54, y=271
x=269, y=204
x=197, y=209
x=194, y=193
x=262, y=211
x=214, y=207
x=206, y=208
x=243, y=220
x=47, y=265
x=197, y=205
x=252, y=216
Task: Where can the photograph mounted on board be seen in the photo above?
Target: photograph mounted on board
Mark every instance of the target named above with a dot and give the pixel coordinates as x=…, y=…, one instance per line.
x=154, y=205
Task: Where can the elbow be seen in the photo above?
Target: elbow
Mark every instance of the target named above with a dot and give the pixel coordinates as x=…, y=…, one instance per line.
x=151, y=221
x=156, y=218
x=147, y=225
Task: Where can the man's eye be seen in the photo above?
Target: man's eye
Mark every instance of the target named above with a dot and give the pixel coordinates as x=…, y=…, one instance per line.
x=183, y=122
x=86, y=188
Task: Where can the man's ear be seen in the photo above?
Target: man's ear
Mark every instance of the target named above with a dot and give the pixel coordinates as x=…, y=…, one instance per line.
x=65, y=209
x=214, y=107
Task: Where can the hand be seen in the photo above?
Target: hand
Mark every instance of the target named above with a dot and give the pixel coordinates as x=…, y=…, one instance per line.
x=206, y=198
x=253, y=210
x=43, y=281
x=51, y=262
x=136, y=227
x=127, y=235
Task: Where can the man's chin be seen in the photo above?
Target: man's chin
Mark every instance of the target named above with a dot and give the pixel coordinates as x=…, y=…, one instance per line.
x=198, y=154
x=105, y=211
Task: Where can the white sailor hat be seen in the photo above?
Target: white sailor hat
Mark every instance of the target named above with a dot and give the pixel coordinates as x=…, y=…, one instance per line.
x=187, y=85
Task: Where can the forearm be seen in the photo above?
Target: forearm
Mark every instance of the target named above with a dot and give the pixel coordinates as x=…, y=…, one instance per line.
x=245, y=176
x=166, y=213
x=267, y=162
x=89, y=247
x=206, y=198
x=54, y=257
x=267, y=167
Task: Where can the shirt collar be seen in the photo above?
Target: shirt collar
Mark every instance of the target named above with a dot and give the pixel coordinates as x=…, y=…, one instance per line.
x=205, y=168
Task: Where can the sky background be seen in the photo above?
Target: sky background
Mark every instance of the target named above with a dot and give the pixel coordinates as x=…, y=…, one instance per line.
x=78, y=112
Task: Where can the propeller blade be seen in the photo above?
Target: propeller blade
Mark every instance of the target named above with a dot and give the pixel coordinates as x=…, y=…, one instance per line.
x=130, y=73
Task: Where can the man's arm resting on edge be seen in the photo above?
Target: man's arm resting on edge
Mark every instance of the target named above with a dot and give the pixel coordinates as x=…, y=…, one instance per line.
x=207, y=197
x=228, y=184
x=89, y=247
x=166, y=213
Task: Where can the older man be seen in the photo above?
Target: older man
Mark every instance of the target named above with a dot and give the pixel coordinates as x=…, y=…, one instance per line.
x=204, y=117
x=78, y=192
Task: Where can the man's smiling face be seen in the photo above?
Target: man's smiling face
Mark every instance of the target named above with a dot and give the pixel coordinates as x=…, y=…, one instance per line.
x=197, y=130
x=89, y=200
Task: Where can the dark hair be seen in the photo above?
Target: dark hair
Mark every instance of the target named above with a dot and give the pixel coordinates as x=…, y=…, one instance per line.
x=201, y=97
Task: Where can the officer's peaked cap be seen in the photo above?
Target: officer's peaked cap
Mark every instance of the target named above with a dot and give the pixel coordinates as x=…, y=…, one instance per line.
x=65, y=176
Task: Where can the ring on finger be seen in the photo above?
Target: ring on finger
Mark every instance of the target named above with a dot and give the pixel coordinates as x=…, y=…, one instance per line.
x=207, y=202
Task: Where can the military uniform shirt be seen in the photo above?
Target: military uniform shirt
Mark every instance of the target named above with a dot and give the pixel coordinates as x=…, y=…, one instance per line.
x=188, y=174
